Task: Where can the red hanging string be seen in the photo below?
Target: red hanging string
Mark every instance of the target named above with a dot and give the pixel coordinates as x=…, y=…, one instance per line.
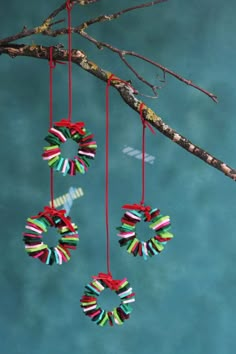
x=143, y=154
x=107, y=178
x=69, y=8
x=108, y=257
x=145, y=124
x=52, y=65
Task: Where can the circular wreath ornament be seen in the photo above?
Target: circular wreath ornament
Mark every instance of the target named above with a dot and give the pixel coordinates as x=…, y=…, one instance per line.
x=33, y=237
x=59, y=133
x=100, y=316
x=127, y=231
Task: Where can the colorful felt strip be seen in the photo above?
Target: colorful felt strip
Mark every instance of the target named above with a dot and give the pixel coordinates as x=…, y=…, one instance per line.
x=128, y=236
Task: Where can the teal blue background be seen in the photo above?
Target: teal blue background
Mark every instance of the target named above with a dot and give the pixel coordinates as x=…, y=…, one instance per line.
x=186, y=296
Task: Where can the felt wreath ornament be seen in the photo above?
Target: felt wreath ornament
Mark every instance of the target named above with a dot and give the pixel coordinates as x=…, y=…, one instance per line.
x=92, y=291
x=127, y=231
x=33, y=237
x=59, y=133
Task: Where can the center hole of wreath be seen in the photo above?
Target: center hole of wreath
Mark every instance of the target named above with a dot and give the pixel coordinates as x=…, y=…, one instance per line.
x=69, y=149
x=108, y=299
x=143, y=231
x=51, y=237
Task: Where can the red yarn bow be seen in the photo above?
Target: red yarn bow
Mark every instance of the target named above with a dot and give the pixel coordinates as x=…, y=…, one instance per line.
x=76, y=126
x=145, y=209
x=108, y=280
x=54, y=212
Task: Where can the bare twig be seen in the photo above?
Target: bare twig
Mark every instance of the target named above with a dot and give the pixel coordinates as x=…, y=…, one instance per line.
x=46, y=25
x=127, y=94
x=56, y=22
x=116, y=15
x=123, y=53
x=154, y=88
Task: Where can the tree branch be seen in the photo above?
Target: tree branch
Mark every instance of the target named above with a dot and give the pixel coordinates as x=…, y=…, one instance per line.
x=45, y=29
x=127, y=94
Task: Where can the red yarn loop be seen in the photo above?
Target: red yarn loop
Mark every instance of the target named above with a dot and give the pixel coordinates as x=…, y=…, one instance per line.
x=52, y=62
x=145, y=209
x=113, y=77
x=144, y=121
x=108, y=280
x=48, y=211
x=69, y=5
x=76, y=126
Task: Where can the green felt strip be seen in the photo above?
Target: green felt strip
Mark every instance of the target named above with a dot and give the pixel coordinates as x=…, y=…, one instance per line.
x=35, y=249
x=135, y=240
x=52, y=139
x=87, y=133
x=38, y=223
x=128, y=243
x=53, y=162
x=157, y=244
x=76, y=137
x=135, y=212
x=64, y=130
x=60, y=163
x=126, y=227
x=68, y=243
x=101, y=316
x=123, y=285
x=98, y=285
x=79, y=167
x=85, y=160
x=116, y=315
x=165, y=234
x=88, y=292
x=93, y=289
x=51, y=147
x=85, y=304
x=44, y=220
x=64, y=252
x=153, y=210
x=159, y=220
x=92, y=146
x=126, y=308
x=69, y=239
x=104, y=320
x=31, y=241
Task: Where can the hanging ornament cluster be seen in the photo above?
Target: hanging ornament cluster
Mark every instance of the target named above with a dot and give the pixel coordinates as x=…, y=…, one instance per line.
x=58, y=133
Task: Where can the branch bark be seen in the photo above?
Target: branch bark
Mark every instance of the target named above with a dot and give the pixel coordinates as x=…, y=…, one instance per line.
x=125, y=91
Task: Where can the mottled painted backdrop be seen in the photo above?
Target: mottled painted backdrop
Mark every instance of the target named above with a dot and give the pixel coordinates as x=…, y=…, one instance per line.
x=186, y=297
